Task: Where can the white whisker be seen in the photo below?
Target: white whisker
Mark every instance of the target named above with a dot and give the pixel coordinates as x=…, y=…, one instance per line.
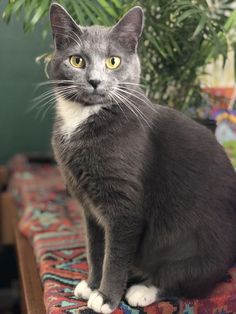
x=129, y=105
x=111, y=96
x=50, y=98
x=130, y=83
x=144, y=99
x=52, y=91
x=54, y=82
x=133, y=105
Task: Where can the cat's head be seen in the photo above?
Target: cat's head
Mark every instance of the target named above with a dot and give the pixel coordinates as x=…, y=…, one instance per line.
x=94, y=62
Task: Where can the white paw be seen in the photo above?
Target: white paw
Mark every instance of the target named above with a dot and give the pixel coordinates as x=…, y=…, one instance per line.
x=140, y=295
x=97, y=304
x=82, y=290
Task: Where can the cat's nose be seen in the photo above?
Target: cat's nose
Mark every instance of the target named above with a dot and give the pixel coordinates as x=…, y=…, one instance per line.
x=94, y=83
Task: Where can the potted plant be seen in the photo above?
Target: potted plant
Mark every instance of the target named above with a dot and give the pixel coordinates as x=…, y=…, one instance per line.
x=181, y=37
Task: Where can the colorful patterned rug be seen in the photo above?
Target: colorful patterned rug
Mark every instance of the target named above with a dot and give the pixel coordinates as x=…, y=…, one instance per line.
x=52, y=223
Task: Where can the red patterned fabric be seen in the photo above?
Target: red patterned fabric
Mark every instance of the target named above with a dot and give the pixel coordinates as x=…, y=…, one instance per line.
x=52, y=223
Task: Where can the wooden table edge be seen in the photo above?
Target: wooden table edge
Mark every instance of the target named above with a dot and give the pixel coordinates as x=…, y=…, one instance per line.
x=29, y=274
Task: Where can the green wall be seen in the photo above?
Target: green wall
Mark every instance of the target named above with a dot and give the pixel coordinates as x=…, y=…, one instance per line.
x=21, y=130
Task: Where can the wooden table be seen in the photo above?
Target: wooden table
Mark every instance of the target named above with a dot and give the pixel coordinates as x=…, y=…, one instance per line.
x=31, y=294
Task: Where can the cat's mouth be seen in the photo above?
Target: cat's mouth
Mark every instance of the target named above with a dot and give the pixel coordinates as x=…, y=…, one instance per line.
x=97, y=93
x=88, y=98
x=94, y=97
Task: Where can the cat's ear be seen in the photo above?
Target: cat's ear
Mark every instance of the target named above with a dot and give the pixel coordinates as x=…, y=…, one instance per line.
x=129, y=28
x=64, y=28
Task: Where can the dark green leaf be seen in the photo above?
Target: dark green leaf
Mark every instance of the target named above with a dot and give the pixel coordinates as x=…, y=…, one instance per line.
x=92, y=17
x=108, y=8
x=200, y=26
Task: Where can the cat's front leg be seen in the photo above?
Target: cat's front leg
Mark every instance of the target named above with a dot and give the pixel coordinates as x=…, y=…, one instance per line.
x=95, y=255
x=121, y=239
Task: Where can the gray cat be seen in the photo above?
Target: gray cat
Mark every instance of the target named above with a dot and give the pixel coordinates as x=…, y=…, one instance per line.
x=158, y=192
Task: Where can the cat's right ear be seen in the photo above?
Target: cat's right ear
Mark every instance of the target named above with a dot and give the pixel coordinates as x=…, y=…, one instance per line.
x=64, y=28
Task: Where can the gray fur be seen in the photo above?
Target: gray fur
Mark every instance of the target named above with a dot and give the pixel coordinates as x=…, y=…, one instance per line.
x=158, y=191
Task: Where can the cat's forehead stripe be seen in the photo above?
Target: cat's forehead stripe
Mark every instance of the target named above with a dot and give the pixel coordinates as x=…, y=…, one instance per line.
x=95, y=42
x=95, y=34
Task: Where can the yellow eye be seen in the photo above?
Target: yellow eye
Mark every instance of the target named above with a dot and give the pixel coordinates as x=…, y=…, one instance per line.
x=113, y=63
x=77, y=62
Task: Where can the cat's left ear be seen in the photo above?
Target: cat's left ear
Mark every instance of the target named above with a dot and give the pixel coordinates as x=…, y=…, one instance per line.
x=129, y=29
x=64, y=28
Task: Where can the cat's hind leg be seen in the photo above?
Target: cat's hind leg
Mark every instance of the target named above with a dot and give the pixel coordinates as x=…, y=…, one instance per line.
x=140, y=290
x=142, y=295
x=189, y=278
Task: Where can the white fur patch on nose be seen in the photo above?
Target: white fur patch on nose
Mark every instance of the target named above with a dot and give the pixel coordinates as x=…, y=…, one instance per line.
x=97, y=304
x=82, y=290
x=141, y=295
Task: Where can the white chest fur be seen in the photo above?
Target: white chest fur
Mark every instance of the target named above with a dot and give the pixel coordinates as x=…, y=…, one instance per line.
x=73, y=114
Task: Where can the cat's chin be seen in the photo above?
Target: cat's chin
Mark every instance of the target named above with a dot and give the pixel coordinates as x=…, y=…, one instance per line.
x=89, y=101
x=92, y=101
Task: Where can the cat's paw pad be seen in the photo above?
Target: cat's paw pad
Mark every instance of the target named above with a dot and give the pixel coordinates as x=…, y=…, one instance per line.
x=82, y=290
x=141, y=295
x=97, y=303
